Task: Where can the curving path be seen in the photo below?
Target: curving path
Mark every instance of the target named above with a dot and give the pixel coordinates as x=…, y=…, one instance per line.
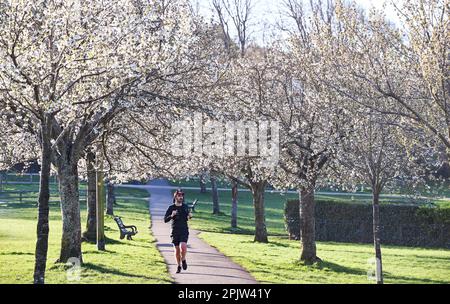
x=206, y=265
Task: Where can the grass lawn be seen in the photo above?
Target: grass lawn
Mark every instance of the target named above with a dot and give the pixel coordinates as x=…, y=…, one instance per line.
x=205, y=221
x=139, y=261
x=277, y=262
x=136, y=261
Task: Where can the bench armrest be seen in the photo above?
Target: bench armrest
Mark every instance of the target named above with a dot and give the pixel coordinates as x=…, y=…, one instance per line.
x=134, y=228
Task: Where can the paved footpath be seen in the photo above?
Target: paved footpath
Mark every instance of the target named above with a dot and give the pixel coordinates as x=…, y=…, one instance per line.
x=206, y=265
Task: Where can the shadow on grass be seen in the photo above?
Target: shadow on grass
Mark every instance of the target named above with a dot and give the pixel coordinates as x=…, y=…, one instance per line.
x=99, y=251
x=107, y=241
x=106, y=270
x=280, y=244
x=17, y=253
x=410, y=280
x=326, y=265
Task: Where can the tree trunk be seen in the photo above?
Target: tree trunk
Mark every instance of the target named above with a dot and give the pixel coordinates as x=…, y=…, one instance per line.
x=90, y=234
x=202, y=183
x=43, y=206
x=258, y=205
x=215, y=196
x=70, y=207
x=307, y=226
x=376, y=236
x=444, y=158
x=101, y=198
x=234, y=205
x=111, y=199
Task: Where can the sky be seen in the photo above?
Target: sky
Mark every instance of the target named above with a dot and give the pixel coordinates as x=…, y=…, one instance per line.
x=267, y=12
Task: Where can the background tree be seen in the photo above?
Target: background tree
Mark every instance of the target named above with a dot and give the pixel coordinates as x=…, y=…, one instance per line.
x=373, y=155
x=406, y=65
x=311, y=118
x=234, y=204
x=215, y=194
x=110, y=198
x=90, y=234
x=238, y=13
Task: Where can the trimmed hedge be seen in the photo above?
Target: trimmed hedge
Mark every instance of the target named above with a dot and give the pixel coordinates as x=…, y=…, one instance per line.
x=403, y=225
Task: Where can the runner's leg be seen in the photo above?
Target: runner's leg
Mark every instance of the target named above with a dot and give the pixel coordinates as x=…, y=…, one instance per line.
x=183, y=251
x=177, y=254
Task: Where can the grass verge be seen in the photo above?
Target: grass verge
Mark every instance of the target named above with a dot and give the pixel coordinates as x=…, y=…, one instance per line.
x=123, y=262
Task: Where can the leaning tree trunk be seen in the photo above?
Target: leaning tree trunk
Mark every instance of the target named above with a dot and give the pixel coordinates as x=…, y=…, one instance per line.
x=70, y=207
x=90, y=234
x=307, y=226
x=234, y=204
x=43, y=206
x=202, y=183
x=260, y=218
x=215, y=196
x=376, y=236
x=111, y=199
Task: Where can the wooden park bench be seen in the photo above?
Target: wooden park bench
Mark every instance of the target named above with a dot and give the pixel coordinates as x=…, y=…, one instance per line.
x=125, y=230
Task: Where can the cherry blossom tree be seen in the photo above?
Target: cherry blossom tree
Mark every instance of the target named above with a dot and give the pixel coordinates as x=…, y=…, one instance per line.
x=79, y=64
x=242, y=105
x=245, y=89
x=348, y=57
x=407, y=64
x=17, y=146
x=373, y=154
x=311, y=118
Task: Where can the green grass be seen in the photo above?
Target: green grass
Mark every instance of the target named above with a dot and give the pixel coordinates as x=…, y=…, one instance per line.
x=139, y=261
x=136, y=261
x=205, y=221
x=277, y=262
x=31, y=192
x=130, y=192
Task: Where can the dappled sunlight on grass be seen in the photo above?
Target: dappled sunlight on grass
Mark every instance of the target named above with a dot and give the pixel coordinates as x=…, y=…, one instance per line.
x=278, y=261
x=136, y=261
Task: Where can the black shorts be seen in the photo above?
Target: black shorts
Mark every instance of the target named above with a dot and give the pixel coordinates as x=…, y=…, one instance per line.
x=178, y=238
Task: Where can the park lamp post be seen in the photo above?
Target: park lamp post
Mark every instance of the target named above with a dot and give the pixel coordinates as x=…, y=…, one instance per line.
x=100, y=204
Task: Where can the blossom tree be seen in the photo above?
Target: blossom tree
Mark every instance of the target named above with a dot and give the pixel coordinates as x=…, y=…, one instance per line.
x=78, y=65
x=311, y=118
x=373, y=154
x=408, y=65
x=247, y=85
x=17, y=146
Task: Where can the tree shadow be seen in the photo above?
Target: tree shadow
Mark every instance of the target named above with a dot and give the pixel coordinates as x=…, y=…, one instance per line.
x=105, y=270
x=279, y=244
x=16, y=253
x=107, y=241
x=410, y=280
x=326, y=265
x=99, y=251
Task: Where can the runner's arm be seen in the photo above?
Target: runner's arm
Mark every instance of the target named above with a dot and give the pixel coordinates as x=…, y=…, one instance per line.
x=168, y=216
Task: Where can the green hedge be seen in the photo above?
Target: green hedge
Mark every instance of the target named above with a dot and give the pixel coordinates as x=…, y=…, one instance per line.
x=403, y=225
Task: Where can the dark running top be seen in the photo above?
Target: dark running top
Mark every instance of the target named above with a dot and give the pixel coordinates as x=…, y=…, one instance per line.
x=179, y=222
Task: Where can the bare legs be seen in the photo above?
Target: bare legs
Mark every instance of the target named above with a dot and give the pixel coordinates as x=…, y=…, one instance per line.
x=183, y=251
x=180, y=253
